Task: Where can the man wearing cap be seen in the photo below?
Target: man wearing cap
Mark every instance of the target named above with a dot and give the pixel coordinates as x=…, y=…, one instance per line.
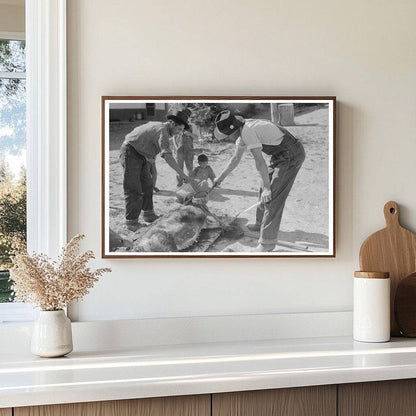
x=140, y=145
x=287, y=155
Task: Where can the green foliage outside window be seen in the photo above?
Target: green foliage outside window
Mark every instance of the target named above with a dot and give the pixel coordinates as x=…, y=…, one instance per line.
x=12, y=144
x=12, y=223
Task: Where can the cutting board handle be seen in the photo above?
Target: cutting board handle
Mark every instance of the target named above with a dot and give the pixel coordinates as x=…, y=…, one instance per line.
x=391, y=213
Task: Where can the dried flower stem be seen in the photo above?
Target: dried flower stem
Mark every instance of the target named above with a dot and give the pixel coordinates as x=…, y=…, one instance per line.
x=53, y=285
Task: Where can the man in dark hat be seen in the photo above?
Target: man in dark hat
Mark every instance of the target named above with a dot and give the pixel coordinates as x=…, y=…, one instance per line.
x=140, y=145
x=287, y=155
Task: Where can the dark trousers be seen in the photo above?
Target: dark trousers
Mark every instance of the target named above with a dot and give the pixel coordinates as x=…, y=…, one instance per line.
x=137, y=183
x=284, y=166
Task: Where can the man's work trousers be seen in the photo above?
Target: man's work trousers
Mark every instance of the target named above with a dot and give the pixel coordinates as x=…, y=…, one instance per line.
x=137, y=183
x=284, y=166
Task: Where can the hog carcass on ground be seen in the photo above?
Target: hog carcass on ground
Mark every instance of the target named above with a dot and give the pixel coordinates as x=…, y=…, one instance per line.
x=177, y=231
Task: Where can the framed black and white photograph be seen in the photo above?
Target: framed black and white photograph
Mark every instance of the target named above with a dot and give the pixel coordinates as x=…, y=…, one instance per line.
x=218, y=176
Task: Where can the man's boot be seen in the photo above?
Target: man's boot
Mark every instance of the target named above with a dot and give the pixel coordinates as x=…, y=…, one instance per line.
x=133, y=225
x=254, y=227
x=149, y=216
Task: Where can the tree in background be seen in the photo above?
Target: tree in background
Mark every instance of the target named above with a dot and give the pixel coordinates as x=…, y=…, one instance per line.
x=12, y=143
x=12, y=222
x=201, y=114
x=12, y=97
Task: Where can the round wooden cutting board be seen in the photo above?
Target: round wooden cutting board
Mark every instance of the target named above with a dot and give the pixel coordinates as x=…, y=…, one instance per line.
x=393, y=250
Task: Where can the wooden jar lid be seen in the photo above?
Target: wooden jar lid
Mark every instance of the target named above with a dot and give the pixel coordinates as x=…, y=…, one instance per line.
x=372, y=275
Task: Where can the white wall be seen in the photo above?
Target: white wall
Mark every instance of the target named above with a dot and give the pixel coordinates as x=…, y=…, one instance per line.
x=361, y=51
x=12, y=18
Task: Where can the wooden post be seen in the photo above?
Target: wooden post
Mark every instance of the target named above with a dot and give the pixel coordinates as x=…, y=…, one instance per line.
x=274, y=113
x=286, y=114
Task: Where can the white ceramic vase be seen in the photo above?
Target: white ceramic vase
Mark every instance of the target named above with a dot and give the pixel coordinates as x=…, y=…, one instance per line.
x=52, y=334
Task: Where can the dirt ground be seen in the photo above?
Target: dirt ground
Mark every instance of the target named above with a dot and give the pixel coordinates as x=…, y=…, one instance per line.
x=305, y=218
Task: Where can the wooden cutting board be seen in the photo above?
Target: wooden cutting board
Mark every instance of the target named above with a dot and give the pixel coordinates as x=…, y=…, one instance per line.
x=393, y=250
x=405, y=305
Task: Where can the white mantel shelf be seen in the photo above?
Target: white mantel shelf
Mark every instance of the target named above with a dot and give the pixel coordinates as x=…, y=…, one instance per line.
x=151, y=371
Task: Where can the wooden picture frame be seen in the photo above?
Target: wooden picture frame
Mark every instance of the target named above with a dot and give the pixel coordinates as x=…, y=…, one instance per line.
x=215, y=225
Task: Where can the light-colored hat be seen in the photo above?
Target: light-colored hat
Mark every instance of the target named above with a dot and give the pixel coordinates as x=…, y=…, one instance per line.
x=227, y=123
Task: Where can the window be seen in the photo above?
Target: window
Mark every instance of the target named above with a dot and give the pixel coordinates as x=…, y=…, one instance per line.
x=45, y=135
x=12, y=154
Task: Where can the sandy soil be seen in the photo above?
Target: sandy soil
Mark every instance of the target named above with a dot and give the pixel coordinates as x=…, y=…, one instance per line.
x=305, y=219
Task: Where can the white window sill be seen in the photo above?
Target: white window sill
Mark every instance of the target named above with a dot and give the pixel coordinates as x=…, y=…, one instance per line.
x=16, y=313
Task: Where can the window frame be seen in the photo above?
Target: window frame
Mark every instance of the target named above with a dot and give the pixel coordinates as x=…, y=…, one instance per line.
x=46, y=135
x=12, y=35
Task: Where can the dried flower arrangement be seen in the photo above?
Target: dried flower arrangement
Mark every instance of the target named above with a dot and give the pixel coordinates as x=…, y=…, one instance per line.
x=53, y=285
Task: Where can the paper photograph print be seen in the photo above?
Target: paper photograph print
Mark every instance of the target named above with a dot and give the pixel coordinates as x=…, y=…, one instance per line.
x=218, y=176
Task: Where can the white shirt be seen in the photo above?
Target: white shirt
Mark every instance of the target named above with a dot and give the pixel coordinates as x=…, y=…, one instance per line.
x=256, y=133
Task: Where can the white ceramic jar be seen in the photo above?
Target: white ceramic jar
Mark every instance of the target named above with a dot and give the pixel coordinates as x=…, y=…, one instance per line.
x=371, y=313
x=52, y=334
